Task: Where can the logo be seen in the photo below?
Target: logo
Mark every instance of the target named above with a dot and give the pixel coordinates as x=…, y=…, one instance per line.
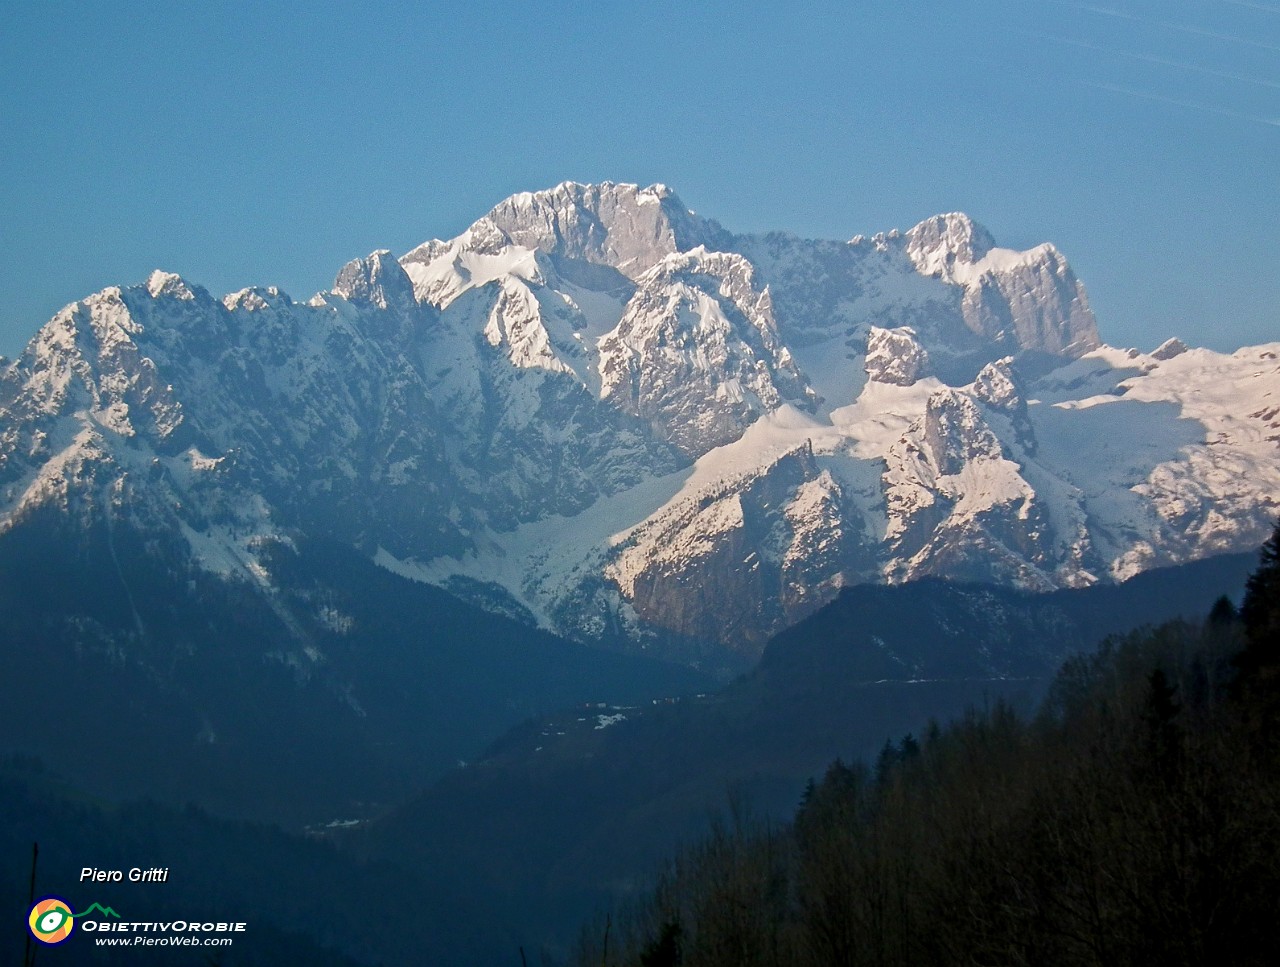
x=51, y=920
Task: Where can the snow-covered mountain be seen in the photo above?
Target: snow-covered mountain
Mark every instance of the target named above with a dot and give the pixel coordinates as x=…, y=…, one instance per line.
x=601, y=411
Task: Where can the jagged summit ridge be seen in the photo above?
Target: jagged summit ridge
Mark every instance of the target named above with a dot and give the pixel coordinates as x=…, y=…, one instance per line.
x=377, y=280
x=625, y=227
x=620, y=226
x=938, y=244
x=601, y=410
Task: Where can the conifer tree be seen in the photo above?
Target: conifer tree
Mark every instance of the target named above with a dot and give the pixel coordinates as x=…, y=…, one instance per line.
x=1259, y=663
x=1261, y=608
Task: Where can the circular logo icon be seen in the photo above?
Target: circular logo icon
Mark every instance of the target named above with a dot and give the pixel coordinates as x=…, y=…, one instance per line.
x=51, y=920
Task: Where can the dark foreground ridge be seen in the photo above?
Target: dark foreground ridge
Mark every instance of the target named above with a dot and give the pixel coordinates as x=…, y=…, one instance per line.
x=570, y=812
x=1130, y=821
x=515, y=850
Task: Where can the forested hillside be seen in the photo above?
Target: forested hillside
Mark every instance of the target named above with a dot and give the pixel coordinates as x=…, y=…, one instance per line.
x=1133, y=820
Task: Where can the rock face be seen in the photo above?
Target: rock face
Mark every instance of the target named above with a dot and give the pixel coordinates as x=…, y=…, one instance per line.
x=697, y=352
x=603, y=412
x=377, y=281
x=773, y=541
x=1023, y=300
x=623, y=227
x=998, y=387
x=958, y=507
x=895, y=356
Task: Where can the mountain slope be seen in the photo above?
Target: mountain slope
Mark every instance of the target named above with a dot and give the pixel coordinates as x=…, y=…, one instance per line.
x=345, y=689
x=613, y=418
x=605, y=791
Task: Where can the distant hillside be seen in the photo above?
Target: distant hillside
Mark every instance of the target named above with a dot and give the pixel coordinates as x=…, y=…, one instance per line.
x=570, y=811
x=346, y=689
x=1130, y=822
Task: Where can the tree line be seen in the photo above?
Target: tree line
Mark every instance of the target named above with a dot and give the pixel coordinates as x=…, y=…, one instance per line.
x=1134, y=819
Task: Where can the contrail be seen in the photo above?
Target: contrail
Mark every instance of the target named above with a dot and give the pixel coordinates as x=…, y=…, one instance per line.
x=1252, y=6
x=1192, y=105
x=1090, y=8
x=1217, y=36
x=1181, y=28
x=1147, y=58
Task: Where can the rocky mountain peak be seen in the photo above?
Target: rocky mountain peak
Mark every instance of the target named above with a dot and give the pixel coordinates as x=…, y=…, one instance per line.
x=377, y=280
x=937, y=244
x=161, y=283
x=256, y=298
x=697, y=352
x=623, y=226
x=1032, y=301
x=500, y=407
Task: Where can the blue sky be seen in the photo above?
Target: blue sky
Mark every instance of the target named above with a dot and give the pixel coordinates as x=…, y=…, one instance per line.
x=268, y=143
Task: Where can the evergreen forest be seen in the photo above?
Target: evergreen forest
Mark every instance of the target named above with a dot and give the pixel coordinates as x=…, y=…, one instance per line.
x=1134, y=819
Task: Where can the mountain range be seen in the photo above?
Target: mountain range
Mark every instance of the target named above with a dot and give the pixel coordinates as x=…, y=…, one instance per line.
x=315, y=562
x=605, y=415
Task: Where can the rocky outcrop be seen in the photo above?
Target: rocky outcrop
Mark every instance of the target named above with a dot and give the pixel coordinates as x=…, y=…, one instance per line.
x=737, y=562
x=1169, y=349
x=697, y=353
x=895, y=356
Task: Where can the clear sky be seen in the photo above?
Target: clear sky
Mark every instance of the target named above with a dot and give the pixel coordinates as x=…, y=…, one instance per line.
x=269, y=142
